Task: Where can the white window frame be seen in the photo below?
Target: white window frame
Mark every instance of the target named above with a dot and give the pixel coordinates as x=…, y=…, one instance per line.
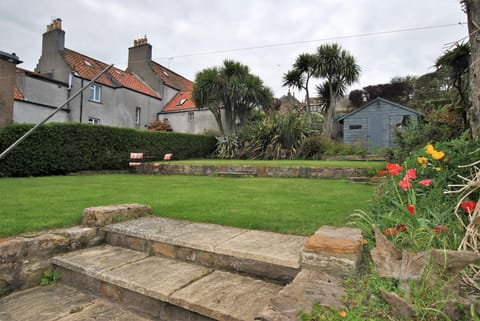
x=93, y=120
x=95, y=93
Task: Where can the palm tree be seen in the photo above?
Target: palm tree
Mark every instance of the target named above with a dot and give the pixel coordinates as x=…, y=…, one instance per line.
x=339, y=69
x=304, y=68
x=206, y=93
x=233, y=87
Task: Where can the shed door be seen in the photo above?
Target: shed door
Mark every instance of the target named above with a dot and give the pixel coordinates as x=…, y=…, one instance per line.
x=376, y=132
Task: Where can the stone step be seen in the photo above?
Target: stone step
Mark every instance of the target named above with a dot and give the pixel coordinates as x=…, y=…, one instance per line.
x=261, y=254
x=165, y=288
x=60, y=302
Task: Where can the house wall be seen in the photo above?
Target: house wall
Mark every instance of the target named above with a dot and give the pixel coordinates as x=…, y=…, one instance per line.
x=203, y=120
x=373, y=127
x=27, y=112
x=42, y=91
x=117, y=106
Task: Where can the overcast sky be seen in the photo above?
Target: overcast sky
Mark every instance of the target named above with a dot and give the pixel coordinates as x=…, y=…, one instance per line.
x=267, y=35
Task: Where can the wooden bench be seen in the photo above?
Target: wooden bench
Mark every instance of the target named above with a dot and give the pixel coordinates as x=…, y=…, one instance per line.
x=137, y=159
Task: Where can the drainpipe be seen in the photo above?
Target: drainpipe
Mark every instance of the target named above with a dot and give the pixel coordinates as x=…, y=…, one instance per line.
x=81, y=101
x=69, y=89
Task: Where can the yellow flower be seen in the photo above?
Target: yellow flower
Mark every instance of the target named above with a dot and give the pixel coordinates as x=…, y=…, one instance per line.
x=423, y=161
x=437, y=155
x=438, y=169
x=429, y=149
x=343, y=314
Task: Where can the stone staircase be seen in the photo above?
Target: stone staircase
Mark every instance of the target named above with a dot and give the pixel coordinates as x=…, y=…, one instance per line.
x=164, y=269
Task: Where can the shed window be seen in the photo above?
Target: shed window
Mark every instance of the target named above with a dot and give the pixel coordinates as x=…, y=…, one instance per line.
x=406, y=120
x=355, y=127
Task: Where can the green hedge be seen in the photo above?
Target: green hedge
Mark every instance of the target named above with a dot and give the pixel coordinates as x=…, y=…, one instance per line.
x=60, y=148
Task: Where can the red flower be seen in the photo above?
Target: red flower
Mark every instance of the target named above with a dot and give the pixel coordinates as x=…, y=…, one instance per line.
x=391, y=231
x=394, y=169
x=381, y=172
x=411, y=209
x=401, y=228
x=468, y=206
x=440, y=229
x=412, y=173
x=425, y=182
x=405, y=183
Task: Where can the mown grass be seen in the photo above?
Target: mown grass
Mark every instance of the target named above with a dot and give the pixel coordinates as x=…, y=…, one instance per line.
x=297, y=206
x=319, y=163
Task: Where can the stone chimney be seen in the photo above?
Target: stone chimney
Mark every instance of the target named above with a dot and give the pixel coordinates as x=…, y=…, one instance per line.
x=139, y=56
x=8, y=70
x=53, y=45
x=54, y=38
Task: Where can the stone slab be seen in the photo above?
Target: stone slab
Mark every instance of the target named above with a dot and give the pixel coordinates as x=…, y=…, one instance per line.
x=96, y=260
x=308, y=287
x=60, y=303
x=200, y=236
x=335, y=250
x=226, y=296
x=275, y=248
x=156, y=277
x=103, y=215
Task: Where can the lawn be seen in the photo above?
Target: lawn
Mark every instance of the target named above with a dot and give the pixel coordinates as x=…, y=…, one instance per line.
x=297, y=206
x=319, y=163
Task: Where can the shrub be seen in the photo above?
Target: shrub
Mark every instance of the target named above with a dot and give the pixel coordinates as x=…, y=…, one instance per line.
x=316, y=146
x=274, y=137
x=60, y=148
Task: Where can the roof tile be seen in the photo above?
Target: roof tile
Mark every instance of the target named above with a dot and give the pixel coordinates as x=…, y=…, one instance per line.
x=17, y=94
x=180, y=102
x=88, y=68
x=171, y=78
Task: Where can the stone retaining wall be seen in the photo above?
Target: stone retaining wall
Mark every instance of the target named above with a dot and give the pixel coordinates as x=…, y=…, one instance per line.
x=268, y=171
x=24, y=258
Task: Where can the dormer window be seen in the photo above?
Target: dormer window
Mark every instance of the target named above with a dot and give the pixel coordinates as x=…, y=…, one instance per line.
x=181, y=101
x=95, y=93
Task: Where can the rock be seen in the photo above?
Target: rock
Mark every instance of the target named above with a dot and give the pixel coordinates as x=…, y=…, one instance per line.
x=400, y=308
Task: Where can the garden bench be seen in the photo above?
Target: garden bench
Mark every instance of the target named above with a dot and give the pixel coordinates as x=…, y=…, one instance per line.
x=137, y=159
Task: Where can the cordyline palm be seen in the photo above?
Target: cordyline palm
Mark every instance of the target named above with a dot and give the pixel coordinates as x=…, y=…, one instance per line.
x=339, y=69
x=206, y=93
x=304, y=68
x=233, y=87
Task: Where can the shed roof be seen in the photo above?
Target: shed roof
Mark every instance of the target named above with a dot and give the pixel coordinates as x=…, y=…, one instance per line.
x=377, y=100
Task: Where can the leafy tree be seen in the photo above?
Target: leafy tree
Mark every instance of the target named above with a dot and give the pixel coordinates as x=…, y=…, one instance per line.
x=304, y=68
x=232, y=87
x=339, y=69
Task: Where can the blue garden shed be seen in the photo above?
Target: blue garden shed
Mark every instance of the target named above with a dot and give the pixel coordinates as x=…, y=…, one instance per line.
x=372, y=126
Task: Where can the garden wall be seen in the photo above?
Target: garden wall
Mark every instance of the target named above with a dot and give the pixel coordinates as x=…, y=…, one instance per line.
x=245, y=170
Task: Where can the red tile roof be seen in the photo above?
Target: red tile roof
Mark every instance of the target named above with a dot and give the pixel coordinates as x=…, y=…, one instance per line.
x=180, y=102
x=171, y=78
x=88, y=68
x=17, y=94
